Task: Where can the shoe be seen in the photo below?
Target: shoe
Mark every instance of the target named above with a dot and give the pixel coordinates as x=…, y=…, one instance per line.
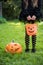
x=33, y=50
x=26, y=50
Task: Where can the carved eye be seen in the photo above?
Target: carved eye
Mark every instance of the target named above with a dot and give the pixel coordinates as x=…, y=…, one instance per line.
x=28, y=27
x=15, y=44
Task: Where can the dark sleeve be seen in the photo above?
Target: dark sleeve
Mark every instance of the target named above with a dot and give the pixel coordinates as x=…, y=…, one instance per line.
x=37, y=10
x=23, y=13
x=39, y=5
x=22, y=10
x=22, y=5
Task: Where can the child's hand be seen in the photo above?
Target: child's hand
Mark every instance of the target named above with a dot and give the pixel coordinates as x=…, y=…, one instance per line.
x=29, y=18
x=33, y=17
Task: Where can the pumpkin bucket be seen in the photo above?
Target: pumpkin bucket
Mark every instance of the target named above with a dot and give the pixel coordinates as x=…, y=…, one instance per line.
x=31, y=29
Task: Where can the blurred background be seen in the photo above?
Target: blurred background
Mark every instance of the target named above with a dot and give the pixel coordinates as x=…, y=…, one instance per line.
x=11, y=8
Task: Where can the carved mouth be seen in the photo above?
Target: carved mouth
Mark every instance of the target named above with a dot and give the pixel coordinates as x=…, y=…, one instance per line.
x=31, y=31
x=17, y=49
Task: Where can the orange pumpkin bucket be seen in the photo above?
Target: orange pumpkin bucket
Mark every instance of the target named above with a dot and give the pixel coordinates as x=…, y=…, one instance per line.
x=31, y=29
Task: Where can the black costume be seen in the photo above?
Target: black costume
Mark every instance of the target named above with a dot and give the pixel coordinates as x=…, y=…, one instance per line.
x=23, y=16
x=30, y=10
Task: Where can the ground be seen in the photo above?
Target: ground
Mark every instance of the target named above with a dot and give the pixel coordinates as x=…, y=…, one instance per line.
x=15, y=30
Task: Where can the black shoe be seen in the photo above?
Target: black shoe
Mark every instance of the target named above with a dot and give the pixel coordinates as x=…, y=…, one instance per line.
x=33, y=50
x=26, y=50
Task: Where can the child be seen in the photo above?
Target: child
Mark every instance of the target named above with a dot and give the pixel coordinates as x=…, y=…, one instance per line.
x=30, y=12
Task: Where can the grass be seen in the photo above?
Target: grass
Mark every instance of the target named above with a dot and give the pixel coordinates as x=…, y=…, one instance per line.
x=15, y=30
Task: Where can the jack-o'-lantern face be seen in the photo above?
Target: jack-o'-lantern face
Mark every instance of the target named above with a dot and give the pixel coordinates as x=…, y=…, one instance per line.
x=18, y=48
x=31, y=29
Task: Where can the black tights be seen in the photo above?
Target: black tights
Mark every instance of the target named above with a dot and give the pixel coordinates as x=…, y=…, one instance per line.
x=27, y=40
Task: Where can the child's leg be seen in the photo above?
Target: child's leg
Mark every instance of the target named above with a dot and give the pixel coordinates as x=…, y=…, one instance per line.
x=33, y=43
x=27, y=42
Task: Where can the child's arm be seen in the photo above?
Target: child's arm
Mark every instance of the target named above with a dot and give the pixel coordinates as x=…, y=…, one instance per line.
x=39, y=4
x=24, y=12
x=37, y=10
x=22, y=5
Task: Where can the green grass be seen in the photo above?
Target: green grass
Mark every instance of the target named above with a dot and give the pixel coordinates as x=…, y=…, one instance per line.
x=15, y=30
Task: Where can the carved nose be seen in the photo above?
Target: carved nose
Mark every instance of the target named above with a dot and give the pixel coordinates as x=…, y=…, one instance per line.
x=30, y=28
